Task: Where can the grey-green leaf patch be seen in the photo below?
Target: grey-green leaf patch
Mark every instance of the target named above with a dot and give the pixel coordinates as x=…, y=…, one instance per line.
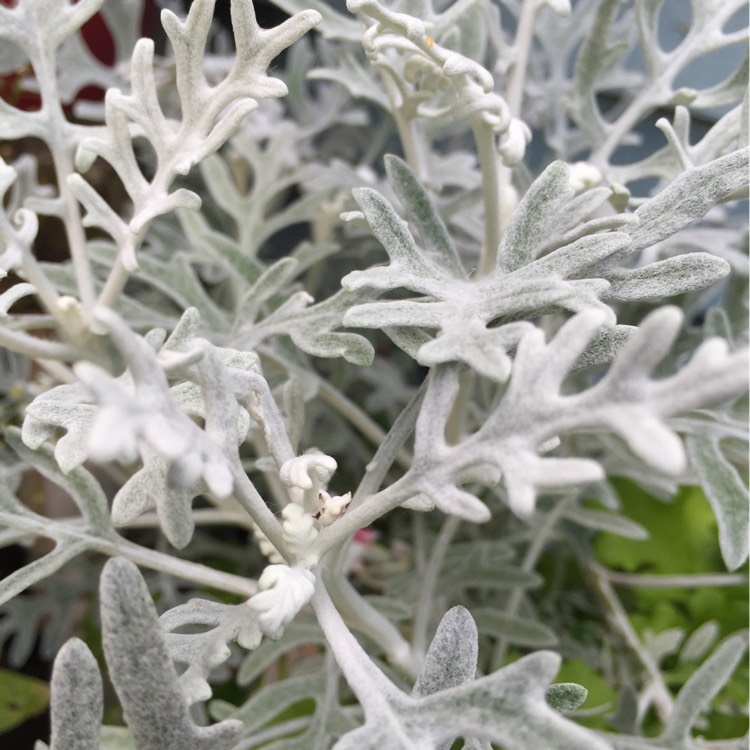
x=727, y=494
x=566, y=696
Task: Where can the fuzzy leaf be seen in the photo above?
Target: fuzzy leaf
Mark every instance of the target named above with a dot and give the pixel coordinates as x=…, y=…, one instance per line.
x=528, y=228
x=727, y=494
x=507, y=707
x=627, y=401
x=421, y=211
x=77, y=699
x=452, y=657
x=668, y=278
x=141, y=669
x=295, y=634
x=78, y=483
x=202, y=652
x=703, y=685
x=566, y=696
x=689, y=198
x=394, y=235
x=544, y=264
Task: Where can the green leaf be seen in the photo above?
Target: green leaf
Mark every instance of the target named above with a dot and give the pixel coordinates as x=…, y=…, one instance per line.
x=271, y=281
x=295, y=635
x=599, y=693
x=664, y=552
x=21, y=697
x=176, y=279
x=727, y=494
x=566, y=696
x=267, y=703
x=520, y=631
x=219, y=248
x=605, y=521
x=28, y=575
x=699, y=642
x=116, y=738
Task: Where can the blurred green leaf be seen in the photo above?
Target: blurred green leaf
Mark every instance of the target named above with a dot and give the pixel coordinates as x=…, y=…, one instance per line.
x=694, y=549
x=21, y=697
x=600, y=694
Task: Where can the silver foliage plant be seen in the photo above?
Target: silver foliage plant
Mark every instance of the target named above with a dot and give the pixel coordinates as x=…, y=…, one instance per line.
x=198, y=362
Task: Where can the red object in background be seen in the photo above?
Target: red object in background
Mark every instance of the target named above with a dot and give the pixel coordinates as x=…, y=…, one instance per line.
x=97, y=38
x=366, y=536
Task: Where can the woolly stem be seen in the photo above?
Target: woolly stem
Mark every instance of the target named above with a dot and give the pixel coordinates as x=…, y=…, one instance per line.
x=60, y=145
x=489, y=162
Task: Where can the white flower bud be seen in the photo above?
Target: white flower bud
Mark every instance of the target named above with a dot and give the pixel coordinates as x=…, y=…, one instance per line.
x=513, y=144
x=561, y=7
x=305, y=476
x=284, y=591
x=299, y=529
x=584, y=176
x=332, y=507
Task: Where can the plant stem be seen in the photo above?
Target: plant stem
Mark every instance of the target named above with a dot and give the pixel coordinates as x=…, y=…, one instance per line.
x=189, y=571
x=61, y=148
x=36, y=348
x=390, y=448
x=406, y=125
x=632, y=742
x=455, y=427
x=343, y=405
x=413, y=152
x=522, y=50
x=514, y=98
x=250, y=499
x=201, y=516
x=362, y=616
x=58, y=370
x=73, y=531
x=358, y=418
x=539, y=540
x=368, y=683
x=489, y=163
x=426, y=600
x=621, y=622
x=46, y=292
x=376, y=470
x=114, y=284
x=675, y=581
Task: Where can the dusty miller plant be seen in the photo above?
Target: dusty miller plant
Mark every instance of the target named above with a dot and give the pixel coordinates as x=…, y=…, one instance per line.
x=406, y=279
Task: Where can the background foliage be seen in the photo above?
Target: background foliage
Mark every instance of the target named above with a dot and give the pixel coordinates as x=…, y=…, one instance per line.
x=395, y=354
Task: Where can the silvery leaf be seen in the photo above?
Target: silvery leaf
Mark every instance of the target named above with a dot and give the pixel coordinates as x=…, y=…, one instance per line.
x=141, y=669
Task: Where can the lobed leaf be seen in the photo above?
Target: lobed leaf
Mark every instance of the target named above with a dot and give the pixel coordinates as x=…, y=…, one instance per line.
x=141, y=669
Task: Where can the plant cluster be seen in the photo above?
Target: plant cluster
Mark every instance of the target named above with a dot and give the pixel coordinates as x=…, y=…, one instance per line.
x=374, y=335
